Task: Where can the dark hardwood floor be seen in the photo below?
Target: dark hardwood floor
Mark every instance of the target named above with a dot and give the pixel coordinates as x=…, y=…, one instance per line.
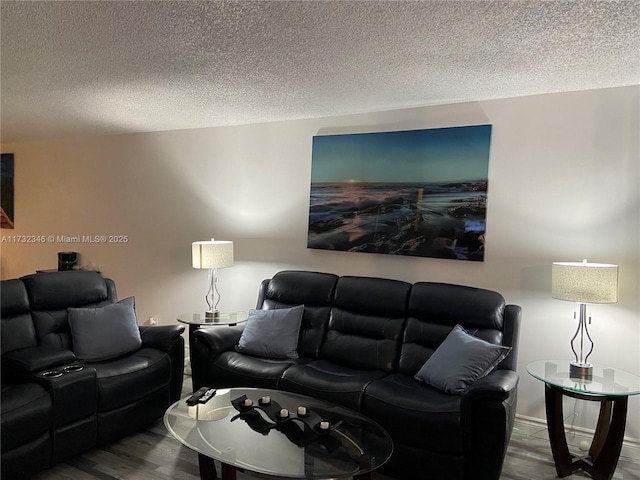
x=155, y=455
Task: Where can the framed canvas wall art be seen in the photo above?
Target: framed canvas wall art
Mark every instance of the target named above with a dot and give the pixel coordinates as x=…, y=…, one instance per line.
x=416, y=192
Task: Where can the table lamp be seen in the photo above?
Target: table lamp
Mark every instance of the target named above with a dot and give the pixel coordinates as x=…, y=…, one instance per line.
x=213, y=254
x=584, y=283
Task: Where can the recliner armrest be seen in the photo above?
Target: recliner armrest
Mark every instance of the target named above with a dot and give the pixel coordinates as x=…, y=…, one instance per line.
x=488, y=405
x=219, y=339
x=34, y=359
x=208, y=344
x=498, y=385
x=160, y=337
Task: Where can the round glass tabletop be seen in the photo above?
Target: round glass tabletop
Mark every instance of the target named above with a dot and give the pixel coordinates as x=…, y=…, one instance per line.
x=354, y=445
x=606, y=381
x=223, y=318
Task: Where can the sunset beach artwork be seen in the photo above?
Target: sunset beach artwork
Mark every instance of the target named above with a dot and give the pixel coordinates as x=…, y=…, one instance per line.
x=416, y=192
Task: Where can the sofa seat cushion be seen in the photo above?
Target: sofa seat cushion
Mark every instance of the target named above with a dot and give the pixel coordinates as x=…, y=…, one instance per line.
x=27, y=413
x=415, y=414
x=124, y=380
x=329, y=381
x=233, y=369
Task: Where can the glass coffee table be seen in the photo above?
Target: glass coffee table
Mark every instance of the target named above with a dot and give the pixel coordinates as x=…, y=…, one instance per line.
x=347, y=444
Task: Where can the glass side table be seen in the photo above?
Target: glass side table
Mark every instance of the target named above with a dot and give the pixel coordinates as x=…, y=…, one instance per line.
x=609, y=386
x=198, y=320
x=223, y=318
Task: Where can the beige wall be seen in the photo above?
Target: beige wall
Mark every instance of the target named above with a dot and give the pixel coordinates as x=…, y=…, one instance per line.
x=563, y=185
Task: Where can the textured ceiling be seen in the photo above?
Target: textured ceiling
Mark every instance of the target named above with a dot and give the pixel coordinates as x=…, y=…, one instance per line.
x=94, y=68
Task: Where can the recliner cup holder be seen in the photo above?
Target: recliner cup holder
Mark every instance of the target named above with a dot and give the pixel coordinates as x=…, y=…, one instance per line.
x=66, y=369
x=72, y=368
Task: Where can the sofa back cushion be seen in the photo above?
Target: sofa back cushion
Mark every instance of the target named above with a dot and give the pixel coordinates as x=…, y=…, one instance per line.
x=18, y=330
x=367, y=320
x=52, y=293
x=436, y=308
x=315, y=291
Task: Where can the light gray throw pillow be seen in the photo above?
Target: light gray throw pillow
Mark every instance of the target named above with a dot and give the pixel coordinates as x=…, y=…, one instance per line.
x=102, y=333
x=460, y=360
x=272, y=333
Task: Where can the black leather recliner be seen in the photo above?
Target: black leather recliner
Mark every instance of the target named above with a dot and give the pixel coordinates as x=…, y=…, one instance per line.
x=361, y=342
x=54, y=406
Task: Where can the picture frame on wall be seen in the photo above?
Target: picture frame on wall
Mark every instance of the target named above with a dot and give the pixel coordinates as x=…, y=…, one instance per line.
x=415, y=192
x=7, y=190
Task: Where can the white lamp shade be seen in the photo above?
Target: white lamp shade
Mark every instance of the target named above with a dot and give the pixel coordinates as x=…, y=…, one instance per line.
x=212, y=254
x=584, y=282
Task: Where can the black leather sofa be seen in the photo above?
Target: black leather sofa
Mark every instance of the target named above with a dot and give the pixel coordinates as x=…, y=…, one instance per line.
x=361, y=342
x=55, y=406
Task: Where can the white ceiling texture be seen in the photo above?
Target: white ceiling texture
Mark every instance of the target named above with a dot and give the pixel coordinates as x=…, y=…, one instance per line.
x=75, y=68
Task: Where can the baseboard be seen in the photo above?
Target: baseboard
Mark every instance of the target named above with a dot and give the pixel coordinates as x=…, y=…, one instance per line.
x=536, y=427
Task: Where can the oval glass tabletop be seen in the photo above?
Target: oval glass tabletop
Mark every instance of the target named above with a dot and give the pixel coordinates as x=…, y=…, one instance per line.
x=223, y=318
x=606, y=381
x=353, y=446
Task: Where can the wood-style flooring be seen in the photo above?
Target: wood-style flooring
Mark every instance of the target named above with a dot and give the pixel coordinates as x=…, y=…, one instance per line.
x=155, y=455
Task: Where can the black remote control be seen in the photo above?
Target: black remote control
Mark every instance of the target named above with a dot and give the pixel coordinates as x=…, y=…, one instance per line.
x=205, y=398
x=193, y=399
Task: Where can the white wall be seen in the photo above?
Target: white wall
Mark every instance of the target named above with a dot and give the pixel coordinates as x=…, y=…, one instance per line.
x=564, y=185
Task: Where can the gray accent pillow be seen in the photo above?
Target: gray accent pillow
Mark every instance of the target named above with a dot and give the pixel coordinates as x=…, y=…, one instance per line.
x=105, y=332
x=460, y=360
x=272, y=333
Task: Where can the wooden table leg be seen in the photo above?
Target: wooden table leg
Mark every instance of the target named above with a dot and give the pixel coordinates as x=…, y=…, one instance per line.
x=207, y=468
x=364, y=476
x=607, y=441
x=602, y=429
x=228, y=472
x=557, y=437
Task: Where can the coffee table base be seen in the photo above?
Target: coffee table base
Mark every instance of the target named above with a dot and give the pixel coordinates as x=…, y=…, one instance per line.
x=208, y=470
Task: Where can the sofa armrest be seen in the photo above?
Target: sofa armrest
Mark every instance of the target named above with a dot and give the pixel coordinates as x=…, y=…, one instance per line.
x=30, y=360
x=160, y=337
x=498, y=385
x=219, y=339
x=208, y=344
x=488, y=410
x=168, y=339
